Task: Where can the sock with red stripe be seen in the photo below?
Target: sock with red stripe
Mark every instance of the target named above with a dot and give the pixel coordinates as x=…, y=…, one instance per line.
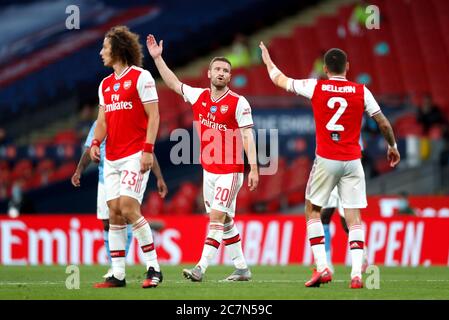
x=211, y=245
x=356, y=240
x=231, y=239
x=315, y=232
x=144, y=236
x=117, y=245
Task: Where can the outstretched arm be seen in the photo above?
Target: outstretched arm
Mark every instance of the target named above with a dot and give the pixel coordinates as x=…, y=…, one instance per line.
x=385, y=128
x=250, y=149
x=99, y=135
x=155, y=50
x=152, y=111
x=161, y=185
x=276, y=75
x=82, y=165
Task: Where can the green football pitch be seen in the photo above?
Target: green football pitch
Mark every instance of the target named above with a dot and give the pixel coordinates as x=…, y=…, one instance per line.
x=269, y=283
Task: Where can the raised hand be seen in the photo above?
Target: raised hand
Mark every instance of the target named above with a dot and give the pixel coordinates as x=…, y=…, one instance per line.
x=154, y=49
x=265, y=55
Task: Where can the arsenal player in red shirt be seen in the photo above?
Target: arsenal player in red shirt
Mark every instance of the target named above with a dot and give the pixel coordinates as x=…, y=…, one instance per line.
x=129, y=117
x=224, y=124
x=338, y=107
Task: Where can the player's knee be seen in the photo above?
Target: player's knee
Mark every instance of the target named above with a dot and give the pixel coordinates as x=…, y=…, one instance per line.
x=217, y=216
x=126, y=210
x=130, y=210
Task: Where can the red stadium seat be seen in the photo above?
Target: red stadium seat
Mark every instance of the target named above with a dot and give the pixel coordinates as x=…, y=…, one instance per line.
x=153, y=204
x=180, y=205
x=407, y=125
x=4, y=165
x=5, y=177
x=283, y=53
x=262, y=84
x=435, y=54
x=382, y=166
x=410, y=56
x=306, y=49
x=189, y=191
x=23, y=169
x=64, y=171
x=45, y=166
x=327, y=32
x=244, y=199
x=66, y=137
x=241, y=82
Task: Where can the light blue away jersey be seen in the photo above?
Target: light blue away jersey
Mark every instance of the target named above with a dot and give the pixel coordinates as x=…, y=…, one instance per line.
x=87, y=144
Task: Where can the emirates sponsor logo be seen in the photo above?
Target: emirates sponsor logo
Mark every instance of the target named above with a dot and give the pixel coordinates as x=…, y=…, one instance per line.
x=122, y=105
x=212, y=124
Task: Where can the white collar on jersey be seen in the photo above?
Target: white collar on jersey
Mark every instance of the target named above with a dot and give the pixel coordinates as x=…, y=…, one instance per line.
x=338, y=78
x=117, y=77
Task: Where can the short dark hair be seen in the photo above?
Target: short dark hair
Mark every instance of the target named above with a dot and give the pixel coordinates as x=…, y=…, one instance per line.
x=220, y=59
x=125, y=45
x=335, y=60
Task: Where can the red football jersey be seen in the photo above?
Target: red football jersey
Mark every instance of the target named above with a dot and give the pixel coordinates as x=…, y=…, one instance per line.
x=338, y=107
x=218, y=123
x=126, y=120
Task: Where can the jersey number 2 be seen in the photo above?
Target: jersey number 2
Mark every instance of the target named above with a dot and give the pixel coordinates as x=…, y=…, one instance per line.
x=332, y=124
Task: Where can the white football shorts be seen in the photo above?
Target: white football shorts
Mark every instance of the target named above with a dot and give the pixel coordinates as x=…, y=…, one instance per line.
x=220, y=191
x=102, y=205
x=122, y=177
x=347, y=176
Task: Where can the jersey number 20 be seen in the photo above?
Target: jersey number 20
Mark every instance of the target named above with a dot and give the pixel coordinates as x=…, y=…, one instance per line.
x=332, y=124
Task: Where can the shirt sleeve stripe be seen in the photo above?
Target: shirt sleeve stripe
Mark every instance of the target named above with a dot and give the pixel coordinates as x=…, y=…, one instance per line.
x=148, y=101
x=378, y=111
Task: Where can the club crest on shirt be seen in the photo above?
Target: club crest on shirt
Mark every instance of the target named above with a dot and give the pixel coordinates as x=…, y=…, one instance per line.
x=213, y=109
x=116, y=86
x=224, y=108
x=335, y=136
x=127, y=84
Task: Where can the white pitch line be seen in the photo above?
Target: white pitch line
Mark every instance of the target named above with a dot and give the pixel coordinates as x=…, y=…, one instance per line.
x=62, y=283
